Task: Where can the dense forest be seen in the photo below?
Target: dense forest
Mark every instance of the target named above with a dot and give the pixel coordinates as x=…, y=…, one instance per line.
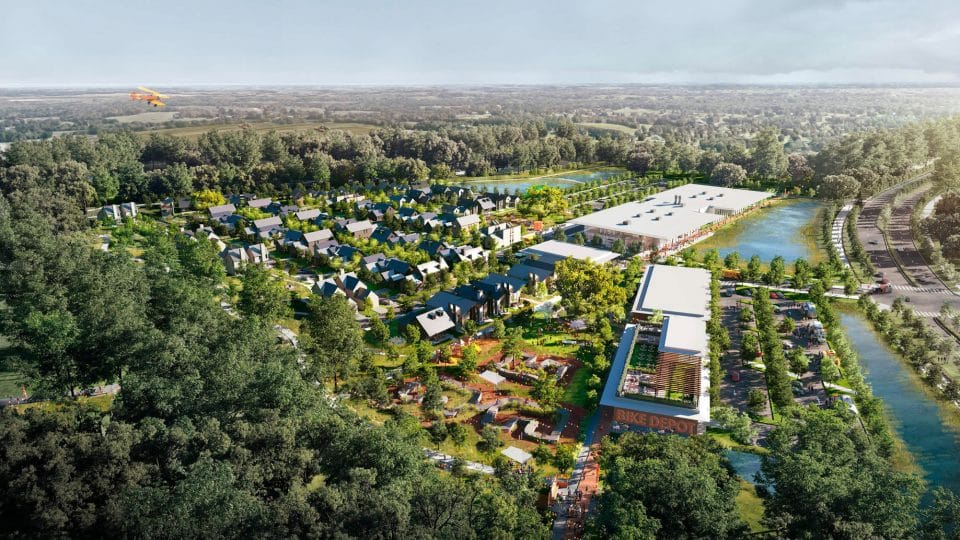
x=125, y=166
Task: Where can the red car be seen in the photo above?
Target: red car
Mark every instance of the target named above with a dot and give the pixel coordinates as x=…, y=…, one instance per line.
x=735, y=375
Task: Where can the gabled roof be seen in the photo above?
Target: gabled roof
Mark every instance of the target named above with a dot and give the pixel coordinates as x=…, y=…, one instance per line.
x=524, y=271
x=307, y=215
x=268, y=223
x=382, y=234
x=222, y=210
x=317, y=236
x=494, y=280
x=358, y=226
x=443, y=299
x=469, y=219
x=260, y=203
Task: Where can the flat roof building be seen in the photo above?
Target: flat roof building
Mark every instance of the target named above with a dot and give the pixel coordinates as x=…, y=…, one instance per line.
x=659, y=379
x=555, y=250
x=670, y=218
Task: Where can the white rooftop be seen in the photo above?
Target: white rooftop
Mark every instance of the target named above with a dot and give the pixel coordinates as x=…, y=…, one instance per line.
x=562, y=250
x=516, y=454
x=674, y=290
x=684, y=335
x=492, y=377
x=659, y=216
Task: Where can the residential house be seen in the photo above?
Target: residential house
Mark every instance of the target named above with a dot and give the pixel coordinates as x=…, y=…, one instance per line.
x=466, y=223
x=479, y=297
x=455, y=209
x=234, y=260
x=370, y=262
x=258, y=254
x=384, y=235
x=393, y=270
x=407, y=214
x=408, y=239
x=307, y=215
x=435, y=249
x=260, y=204
x=504, y=291
x=503, y=234
x=128, y=210
x=351, y=287
x=206, y=232
x=430, y=267
x=466, y=253
x=266, y=227
x=222, y=211
x=360, y=229
x=458, y=308
x=531, y=273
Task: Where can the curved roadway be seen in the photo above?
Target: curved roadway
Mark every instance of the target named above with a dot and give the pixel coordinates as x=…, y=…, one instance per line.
x=916, y=281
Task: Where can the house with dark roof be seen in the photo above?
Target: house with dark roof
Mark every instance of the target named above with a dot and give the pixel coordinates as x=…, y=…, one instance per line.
x=434, y=248
x=466, y=253
x=408, y=239
x=407, y=214
x=503, y=291
x=530, y=273
x=349, y=286
x=344, y=252
x=384, y=235
x=393, y=269
x=458, y=308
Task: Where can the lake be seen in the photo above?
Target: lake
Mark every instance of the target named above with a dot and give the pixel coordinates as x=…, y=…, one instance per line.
x=777, y=230
x=916, y=416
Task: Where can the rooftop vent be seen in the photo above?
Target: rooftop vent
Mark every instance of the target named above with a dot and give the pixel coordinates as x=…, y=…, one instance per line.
x=703, y=192
x=625, y=222
x=669, y=213
x=657, y=218
x=719, y=194
x=650, y=211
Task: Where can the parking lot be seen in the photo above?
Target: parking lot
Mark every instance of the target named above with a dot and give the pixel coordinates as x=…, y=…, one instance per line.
x=808, y=389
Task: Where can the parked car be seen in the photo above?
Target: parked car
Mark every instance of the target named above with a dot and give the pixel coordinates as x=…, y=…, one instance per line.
x=735, y=375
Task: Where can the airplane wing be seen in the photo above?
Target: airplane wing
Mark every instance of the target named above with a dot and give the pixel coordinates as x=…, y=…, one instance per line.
x=158, y=94
x=157, y=103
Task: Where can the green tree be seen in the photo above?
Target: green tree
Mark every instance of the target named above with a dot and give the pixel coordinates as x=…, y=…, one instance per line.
x=799, y=361
x=732, y=261
x=545, y=390
x=564, y=457
x=458, y=433
x=801, y=273
x=753, y=270
x=467, y=366
x=513, y=344
x=588, y=289
x=412, y=333
x=499, y=329
x=824, y=478
x=336, y=339
x=648, y=482
x=756, y=401
x=777, y=271
x=769, y=160
x=262, y=296
x=438, y=433
x=727, y=175
x=379, y=330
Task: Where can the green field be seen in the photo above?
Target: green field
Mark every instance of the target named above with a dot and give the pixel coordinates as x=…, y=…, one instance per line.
x=609, y=127
x=194, y=132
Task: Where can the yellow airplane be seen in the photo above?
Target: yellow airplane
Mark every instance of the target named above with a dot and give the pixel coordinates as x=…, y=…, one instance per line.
x=151, y=97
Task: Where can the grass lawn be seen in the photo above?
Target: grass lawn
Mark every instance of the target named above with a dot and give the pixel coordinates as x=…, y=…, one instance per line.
x=576, y=392
x=609, y=127
x=9, y=383
x=750, y=506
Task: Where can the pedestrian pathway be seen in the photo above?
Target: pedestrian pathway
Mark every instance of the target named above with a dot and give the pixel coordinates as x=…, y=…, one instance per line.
x=836, y=234
x=582, y=486
x=932, y=290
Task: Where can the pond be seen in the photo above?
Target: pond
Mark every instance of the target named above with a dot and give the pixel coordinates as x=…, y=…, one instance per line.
x=778, y=230
x=746, y=464
x=561, y=181
x=916, y=416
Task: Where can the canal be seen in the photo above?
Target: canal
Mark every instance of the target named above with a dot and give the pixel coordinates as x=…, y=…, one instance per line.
x=917, y=417
x=777, y=230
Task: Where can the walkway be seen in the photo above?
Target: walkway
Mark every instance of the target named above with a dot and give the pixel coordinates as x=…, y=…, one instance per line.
x=836, y=235
x=575, y=500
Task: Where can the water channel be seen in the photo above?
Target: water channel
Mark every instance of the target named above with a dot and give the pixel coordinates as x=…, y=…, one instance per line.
x=916, y=416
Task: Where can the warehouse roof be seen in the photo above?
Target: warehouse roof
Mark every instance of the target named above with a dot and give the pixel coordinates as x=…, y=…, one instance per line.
x=673, y=213
x=684, y=335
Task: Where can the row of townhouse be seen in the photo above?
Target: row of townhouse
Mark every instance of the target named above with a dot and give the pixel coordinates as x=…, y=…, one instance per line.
x=477, y=301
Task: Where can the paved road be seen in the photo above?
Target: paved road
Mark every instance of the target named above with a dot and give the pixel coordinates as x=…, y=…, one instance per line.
x=930, y=294
x=583, y=480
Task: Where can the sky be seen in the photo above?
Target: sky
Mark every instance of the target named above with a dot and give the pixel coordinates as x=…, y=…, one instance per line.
x=449, y=42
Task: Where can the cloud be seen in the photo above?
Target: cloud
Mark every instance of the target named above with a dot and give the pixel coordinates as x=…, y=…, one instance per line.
x=483, y=41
